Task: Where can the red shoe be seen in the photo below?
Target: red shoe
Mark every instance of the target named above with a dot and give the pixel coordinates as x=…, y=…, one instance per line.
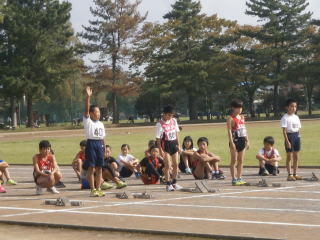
x=2, y=189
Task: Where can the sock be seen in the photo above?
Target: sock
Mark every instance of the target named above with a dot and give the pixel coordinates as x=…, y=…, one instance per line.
x=217, y=172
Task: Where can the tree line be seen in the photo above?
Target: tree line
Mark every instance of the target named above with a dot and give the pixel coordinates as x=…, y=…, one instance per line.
x=193, y=61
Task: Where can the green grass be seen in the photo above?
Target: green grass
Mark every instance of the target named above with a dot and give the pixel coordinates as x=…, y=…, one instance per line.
x=21, y=151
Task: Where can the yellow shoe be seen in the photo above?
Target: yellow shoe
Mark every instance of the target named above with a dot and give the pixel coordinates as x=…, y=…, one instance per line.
x=297, y=177
x=291, y=178
x=100, y=193
x=94, y=193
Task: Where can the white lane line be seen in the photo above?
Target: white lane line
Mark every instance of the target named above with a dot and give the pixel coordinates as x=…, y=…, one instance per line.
x=232, y=208
x=151, y=201
x=297, y=192
x=273, y=198
x=197, y=219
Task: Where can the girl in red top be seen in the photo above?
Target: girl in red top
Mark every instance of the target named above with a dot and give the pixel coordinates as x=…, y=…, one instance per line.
x=238, y=141
x=46, y=172
x=79, y=159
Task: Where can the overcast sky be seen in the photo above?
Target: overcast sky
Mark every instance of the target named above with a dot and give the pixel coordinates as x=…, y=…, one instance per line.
x=229, y=9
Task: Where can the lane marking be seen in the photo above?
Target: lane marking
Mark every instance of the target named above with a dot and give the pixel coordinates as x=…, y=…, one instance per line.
x=273, y=198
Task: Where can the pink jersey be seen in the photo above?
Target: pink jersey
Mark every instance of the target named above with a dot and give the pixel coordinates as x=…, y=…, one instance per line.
x=239, y=127
x=169, y=130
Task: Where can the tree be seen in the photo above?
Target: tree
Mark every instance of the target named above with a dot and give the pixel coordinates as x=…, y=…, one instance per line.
x=111, y=35
x=284, y=23
x=38, y=52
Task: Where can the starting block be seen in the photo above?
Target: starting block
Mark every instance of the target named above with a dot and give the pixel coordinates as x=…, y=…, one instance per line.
x=62, y=202
x=124, y=195
x=144, y=195
x=201, y=187
x=276, y=184
x=262, y=183
x=313, y=178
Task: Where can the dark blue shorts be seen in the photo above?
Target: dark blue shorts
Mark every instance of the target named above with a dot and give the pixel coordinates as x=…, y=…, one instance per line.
x=294, y=139
x=94, y=154
x=1, y=161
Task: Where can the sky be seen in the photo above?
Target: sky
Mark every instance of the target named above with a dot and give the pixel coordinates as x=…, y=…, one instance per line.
x=229, y=9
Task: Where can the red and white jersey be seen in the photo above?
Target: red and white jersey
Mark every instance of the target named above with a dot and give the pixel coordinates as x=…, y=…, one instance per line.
x=45, y=164
x=269, y=154
x=167, y=130
x=239, y=127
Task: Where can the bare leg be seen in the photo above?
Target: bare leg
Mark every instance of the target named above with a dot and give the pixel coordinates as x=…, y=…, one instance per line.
x=240, y=160
x=57, y=177
x=46, y=181
x=295, y=162
x=90, y=177
x=98, y=177
x=233, y=162
x=288, y=163
x=167, y=166
x=199, y=170
x=175, y=165
x=185, y=160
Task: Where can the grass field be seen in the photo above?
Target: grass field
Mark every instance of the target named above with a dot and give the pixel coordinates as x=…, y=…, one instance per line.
x=20, y=149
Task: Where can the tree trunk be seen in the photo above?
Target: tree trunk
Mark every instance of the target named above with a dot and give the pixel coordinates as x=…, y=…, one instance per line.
x=309, y=92
x=193, y=115
x=115, y=114
x=29, y=111
x=251, y=106
x=13, y=110
x=276, y=110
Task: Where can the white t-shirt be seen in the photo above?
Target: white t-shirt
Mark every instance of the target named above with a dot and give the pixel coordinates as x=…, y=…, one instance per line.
x=93, y=129
x=193, y=149
x=291, y=123
x=172, y=134
x=268, y=153
x=122, y=158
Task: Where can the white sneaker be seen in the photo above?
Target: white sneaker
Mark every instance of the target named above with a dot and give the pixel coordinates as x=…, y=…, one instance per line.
x=38, y=190
x=177, y=187
x=170, y=188
x=53, y=190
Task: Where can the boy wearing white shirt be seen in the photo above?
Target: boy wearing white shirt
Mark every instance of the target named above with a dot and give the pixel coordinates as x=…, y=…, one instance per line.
x=269, y=158
x=127, y=163
x=95, y=133
x=290, y=124
x=167, y=135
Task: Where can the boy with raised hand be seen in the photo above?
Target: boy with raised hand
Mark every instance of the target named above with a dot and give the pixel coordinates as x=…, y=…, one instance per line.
x=95, y=147
x=290, y=124
x=167, y=135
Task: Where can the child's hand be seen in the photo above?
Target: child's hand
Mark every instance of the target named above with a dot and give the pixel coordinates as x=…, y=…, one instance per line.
x=288, y=145
x=89, y=91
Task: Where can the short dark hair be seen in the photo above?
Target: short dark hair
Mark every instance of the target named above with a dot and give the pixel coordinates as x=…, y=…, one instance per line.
x=269, y=140
x=236, y=103
x=151, y=143
x=168, y=109
x=44, y=144
x=289, y=101
x=154, y=147
x=92, y=107
x=187, y=138
x=125, y=145
x=83, y=143
x=203, y=139
x=108, y=146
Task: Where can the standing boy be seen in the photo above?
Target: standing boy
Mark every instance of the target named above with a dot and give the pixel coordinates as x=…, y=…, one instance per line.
x=238, y=141
x=95, y=133
x=167, y=135
x=290, y=124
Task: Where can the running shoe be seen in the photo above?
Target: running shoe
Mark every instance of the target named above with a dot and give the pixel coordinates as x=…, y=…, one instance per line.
x=177, y=187
x=241, y=181
x=138, y=175
x=53, y=190
x=11, y=182
x=297, y=177
x=291, y=178
x=94, y=193
x=121, y=185
x=170, y=188
x=219, y=176
x=105, y=186
x=235, y=182
x=60, y=185
x=263, y=172
x=188, y=171
x=2, y=189
x=100, y=193
x=38, y=190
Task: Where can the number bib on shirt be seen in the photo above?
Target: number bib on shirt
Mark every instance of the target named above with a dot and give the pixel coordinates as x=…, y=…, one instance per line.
x=169, y=130
x=242, y=131
x=98, y=132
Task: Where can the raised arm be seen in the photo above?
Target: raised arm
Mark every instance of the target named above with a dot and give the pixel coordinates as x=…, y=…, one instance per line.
x=87, y=103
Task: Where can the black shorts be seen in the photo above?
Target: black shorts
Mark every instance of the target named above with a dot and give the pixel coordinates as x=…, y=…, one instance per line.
x=270, y=168
x=170, y=147
x=125, y=172
x=240, y=143
x=294, y=139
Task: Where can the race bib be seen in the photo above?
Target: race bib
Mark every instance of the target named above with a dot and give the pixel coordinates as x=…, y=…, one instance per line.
x=172, y=135
x=98, y=132
x=242, y=132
